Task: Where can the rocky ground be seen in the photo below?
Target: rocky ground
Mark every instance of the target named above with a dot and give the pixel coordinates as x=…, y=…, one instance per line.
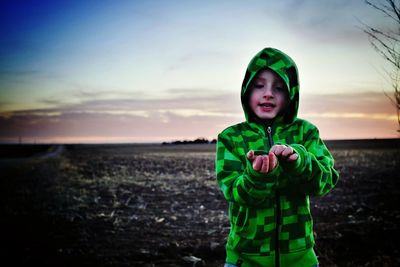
x=125, y=205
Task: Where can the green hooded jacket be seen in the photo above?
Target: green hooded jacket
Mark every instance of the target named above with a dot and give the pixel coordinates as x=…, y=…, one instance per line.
x=269, y=214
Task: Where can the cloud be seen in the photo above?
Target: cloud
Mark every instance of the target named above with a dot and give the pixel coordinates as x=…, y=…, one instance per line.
x=158, y=126
x=351, y=115
x=179, y=116
x=176, y=99
x=112, y=92
x=4, y=103
x=190, y=116
x=373, y=116
x=327, y=21
x=367, y=103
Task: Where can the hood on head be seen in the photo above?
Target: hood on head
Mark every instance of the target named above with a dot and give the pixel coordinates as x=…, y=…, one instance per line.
x=285, y=67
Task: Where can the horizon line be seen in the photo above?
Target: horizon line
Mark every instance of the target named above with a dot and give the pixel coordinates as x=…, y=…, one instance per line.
x=171, y=142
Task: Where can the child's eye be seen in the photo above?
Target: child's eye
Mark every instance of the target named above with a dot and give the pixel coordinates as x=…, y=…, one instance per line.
x=259, y=86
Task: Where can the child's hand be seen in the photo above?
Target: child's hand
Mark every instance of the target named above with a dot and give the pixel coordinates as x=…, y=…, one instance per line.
x=284, y=152
x=263, y=163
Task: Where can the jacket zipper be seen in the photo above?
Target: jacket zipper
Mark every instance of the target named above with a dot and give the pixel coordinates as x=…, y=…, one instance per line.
x=271, y=142
x=278, y=208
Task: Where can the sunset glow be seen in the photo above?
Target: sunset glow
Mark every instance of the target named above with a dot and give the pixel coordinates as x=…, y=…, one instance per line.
x=154, y=71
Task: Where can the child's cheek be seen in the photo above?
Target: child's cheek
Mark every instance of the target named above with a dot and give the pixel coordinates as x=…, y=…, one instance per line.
x=253, y=101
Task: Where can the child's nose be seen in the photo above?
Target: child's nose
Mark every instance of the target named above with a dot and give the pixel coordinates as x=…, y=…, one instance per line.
x=268, y=92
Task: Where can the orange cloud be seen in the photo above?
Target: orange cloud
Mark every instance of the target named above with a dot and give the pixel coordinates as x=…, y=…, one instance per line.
x=338, y=116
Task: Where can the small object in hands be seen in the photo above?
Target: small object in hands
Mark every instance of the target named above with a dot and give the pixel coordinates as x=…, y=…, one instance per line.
x=262, y=161
x=285, y=152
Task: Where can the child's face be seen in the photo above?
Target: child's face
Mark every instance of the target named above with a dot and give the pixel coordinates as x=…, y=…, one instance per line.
x=268, y=95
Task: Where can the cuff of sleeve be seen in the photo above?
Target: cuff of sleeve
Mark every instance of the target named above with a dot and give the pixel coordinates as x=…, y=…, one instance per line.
x=297, y=167
x=261, y=177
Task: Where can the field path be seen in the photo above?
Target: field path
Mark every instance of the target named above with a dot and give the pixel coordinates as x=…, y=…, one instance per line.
x=53, y=151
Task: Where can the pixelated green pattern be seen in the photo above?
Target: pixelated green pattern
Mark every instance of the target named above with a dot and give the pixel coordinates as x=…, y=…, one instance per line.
x=282, y=64
x=251, y=195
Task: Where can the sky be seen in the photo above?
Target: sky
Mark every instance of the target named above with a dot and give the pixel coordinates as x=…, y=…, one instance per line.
x=155, y=71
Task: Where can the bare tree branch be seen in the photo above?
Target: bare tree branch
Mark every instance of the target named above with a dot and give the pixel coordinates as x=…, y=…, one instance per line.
x=384, y=9
x=383, y=51
x=387, y=44
x=396, y=9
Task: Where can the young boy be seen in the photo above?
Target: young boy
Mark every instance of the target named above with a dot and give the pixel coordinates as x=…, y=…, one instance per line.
x=268, y=166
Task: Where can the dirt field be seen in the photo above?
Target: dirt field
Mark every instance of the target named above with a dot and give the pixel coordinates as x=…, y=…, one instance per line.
x=126, y=205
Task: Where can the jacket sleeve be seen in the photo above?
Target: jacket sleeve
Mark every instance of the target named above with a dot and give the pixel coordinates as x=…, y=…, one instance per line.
x=239, y=182
x=313, y=173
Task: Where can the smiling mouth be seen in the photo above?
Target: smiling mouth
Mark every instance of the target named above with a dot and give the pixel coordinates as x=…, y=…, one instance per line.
x=267, y=105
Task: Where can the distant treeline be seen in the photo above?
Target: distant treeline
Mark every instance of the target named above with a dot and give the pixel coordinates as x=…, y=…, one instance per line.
x=331, y=144
x=197, y=141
